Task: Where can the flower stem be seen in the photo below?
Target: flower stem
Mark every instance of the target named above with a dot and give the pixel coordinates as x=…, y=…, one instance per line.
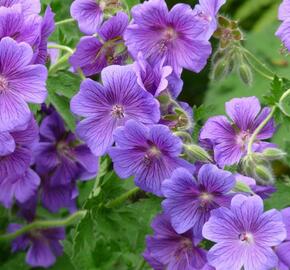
x=259, y=128
x=61, y=47
x=44, y=224
x=59, y=63
x=249, y=56
x=69, y=20
x=121, y=199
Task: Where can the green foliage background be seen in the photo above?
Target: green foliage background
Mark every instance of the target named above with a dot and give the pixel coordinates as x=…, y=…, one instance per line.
x=114, y=238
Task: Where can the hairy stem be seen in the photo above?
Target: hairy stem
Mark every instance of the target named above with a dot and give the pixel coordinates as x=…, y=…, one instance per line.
x=121, y=199
x=249, y=56
x=44, y=224
x=259, y=128
x=69, y=20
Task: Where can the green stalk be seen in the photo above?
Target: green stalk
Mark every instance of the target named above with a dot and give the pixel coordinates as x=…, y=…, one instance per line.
x=60, y=47
x=121, y=199
x=69, y=20
x=44, y=224
x=259, y=128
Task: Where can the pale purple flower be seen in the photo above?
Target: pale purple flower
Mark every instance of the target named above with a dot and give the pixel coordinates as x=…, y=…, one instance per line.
x=150, y=153
x=283, y=31
x=16, y=149
x=189, y=201
x=206, y=12
x=230, y=137
x=21, y=28
x=283, y=249
x=43, y=245
x=93, y=54
x=21, y=188
x=156, y=77
x=59, y=155
x=28, y=7
x=47, y=28
x=108, y=106
x=88, y=14
x=244, y=235
x=173, y=35
x=174, y=251
x=20, y=82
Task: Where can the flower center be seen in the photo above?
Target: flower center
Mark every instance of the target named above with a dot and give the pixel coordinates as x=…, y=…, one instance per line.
x=205, y=198
x=170, y=34
x=246, y=237
x=118, y=111
x=242, y=139
x=3, y=84
x=63, y=148
x=151, y=153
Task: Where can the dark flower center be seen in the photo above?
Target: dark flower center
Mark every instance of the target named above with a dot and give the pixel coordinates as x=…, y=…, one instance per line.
x=118, y=111
x=63, y=148
x=246, y=237
x=3, y=83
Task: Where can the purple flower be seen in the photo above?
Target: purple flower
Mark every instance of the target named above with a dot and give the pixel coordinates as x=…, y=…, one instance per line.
x=28, y=7
x=156, y=78
x=283, y=249
x=55, y=196
x=244, y=235
x=21, y=187
x=189, y=201
x=173, y=35
x=93, y=54
x=58, y=154
x=44, y=245
x=174, y=251
x=47, y=28
x=20, y=82
x=108, y=106
x=283, y=31
x=88, y=14
x=230, y=138
x=206, y=13
x=16, y=147
x=150, y=153
x=16, y=25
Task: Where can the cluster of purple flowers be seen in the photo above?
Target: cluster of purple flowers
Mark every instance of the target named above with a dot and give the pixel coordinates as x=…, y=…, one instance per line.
x=36, y=163
x=134, y=116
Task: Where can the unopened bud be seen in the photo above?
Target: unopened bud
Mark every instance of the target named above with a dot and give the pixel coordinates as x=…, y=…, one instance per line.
x=263, y=174
x=220, y=70
x=245, y=74
x=197, y=153
x=273, y=154
x=242, y=187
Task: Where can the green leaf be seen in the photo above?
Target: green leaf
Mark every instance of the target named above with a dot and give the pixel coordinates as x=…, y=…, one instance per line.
x=61, y=103
x=281, y=198
x=65, y=83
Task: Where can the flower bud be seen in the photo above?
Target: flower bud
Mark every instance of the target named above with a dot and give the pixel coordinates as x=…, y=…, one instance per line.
x=197, y=153
x=220, y=70
x=242, y=187
x=263, y=174
x=273, y=154
x=245, y=74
